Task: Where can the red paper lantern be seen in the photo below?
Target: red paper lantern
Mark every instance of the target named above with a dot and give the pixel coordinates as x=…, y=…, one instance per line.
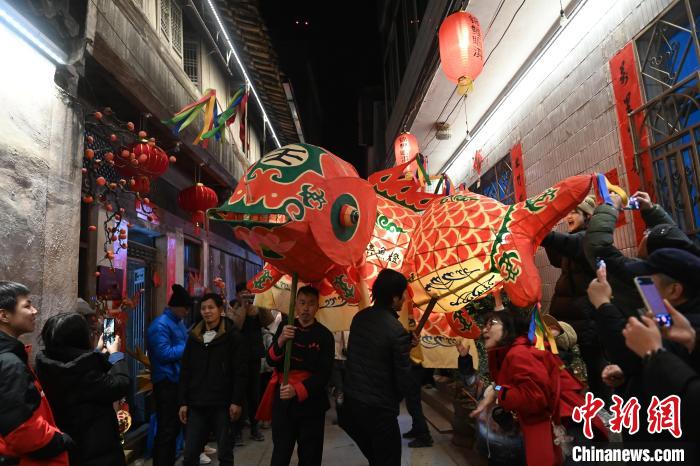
x=153, y=161
x=142, y=184
x=461, y=49
x=405, y=148
x=196, y=200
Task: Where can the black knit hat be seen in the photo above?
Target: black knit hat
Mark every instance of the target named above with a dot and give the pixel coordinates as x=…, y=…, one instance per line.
x=668, y=235
x=180, y=297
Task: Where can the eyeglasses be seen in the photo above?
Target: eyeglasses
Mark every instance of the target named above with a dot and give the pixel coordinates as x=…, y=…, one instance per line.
x=492, y=322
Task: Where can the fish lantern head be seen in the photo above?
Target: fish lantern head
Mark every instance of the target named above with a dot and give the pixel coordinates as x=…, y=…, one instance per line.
x=303, y=210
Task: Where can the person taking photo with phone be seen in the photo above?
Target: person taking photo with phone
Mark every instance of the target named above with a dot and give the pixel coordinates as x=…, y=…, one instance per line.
x=82, y=384
x=676, y=276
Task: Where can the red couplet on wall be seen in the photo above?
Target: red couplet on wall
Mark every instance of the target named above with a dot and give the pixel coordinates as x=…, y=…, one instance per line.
x=628, y=96
x=516, y=163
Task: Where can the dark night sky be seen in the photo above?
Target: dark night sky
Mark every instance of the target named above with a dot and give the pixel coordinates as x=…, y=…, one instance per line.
x=341, y=47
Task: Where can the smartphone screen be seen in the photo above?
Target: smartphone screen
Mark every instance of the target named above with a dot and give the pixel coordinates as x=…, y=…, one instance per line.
x=108, y=331
x=652, y=300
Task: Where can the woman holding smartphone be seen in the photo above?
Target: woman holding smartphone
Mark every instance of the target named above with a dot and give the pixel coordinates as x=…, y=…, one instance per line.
x=81, y=385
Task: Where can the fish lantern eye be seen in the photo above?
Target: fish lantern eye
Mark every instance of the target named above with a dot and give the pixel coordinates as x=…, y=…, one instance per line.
x=349, y=215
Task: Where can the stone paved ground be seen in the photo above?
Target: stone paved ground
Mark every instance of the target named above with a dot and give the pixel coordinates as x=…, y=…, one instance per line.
x=339, y=449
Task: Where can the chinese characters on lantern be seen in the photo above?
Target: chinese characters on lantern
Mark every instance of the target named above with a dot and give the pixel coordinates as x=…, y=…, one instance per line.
x=662, y=415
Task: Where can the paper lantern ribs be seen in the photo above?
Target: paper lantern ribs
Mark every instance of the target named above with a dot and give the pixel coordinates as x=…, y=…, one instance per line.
x=467, y=245
x=306, y=212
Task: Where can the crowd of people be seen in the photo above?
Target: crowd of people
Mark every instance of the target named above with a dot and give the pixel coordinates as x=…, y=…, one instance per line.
x=229, y=368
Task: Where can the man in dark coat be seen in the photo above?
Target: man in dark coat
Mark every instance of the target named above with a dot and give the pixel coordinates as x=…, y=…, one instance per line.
x=676, y=274
x=212, y=381
x=570, y=302
x=166, y=339
x=250, y=320
x=666, y=373
x=378, y=372
x=28, y=433
x=298, y=409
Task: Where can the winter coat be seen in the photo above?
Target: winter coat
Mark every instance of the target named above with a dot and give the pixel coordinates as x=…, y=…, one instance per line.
x=213, y=374
x=82, y=387
x=166, y=343
x=570, y=300
x=667, y=374
x=530, y=379
x=598, y=243
x=27, y=427
x=378, y=370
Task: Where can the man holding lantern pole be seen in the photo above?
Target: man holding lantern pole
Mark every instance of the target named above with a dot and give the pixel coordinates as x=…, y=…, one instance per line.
x=297, y=406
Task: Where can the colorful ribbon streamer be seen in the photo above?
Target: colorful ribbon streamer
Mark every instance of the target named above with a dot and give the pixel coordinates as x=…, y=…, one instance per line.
x=539, y=331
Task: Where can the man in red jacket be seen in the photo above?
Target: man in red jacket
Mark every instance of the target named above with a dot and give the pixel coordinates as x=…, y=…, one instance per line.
x=28, y=433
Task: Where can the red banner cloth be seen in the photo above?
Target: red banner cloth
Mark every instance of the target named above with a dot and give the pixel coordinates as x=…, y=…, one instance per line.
x=628, y=96
x=516, y=164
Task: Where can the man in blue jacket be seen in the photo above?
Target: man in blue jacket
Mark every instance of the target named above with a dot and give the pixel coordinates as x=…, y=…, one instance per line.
x=166, y=344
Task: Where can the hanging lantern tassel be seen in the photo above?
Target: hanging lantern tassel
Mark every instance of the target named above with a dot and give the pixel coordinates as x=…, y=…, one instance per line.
x=465, y=85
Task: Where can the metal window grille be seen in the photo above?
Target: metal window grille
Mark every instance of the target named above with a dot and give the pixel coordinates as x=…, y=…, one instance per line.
x=668, y=131
x=176, y=27
x=497, y=182
x=190, y=60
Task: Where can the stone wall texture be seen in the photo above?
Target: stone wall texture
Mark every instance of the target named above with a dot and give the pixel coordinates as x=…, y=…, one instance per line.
x=40, y=160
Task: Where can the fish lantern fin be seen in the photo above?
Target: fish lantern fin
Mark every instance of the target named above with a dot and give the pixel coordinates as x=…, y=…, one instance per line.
x=344, y=284
x=265, y=279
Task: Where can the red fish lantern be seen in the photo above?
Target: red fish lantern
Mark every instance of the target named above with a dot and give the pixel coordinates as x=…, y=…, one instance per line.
x=461, y=49
x=196, y=200
x=143, y=159
x=405, y=148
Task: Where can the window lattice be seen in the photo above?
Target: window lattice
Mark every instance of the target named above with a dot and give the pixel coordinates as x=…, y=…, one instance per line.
x=190, y=60
x=176, y=27
x=165, y=18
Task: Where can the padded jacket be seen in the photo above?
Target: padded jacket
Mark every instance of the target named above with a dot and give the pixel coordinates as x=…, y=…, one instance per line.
x=377, y=370
x=214, y=373
x=166, y=344
x=28, y=432
x=570, y=300
x=598, y=243
x=82, y=387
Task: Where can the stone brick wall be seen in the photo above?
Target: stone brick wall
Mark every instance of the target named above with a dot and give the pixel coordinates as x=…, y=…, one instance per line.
x=40, y=160
x=564, y=115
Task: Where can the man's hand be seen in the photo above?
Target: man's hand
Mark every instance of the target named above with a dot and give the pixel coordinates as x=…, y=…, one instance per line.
x=612, y=376
x=415, y=340
x=644, y=200
x=642, y=337
x=680, y=331
x=183, y=414
x=252, y=311
x=234, y=412
x=101, y=345
x=114, y=346
x=287, y=392
x=286, y=335
x=599, y=291
x=489, y=398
